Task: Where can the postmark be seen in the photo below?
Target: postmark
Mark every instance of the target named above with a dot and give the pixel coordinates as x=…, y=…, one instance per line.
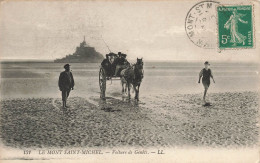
x=235, y=27
x=201, y=24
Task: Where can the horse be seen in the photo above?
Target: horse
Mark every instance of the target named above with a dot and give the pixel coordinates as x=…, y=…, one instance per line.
x=132, y=75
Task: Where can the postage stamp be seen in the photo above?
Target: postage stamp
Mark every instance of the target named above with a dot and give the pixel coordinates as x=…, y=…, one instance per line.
x=235, y=26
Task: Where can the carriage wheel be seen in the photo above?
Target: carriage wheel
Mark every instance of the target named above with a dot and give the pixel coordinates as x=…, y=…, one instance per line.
x=102, y=83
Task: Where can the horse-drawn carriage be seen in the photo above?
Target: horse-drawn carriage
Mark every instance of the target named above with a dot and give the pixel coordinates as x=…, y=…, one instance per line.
x=128, y=74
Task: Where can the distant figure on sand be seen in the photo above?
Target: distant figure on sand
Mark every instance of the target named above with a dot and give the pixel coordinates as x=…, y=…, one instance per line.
x=206, y=74
x=66, y=83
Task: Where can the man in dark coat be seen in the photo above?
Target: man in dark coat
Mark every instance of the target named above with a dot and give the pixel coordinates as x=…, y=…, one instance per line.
x=114, y=62
x=66, y=83
x=121, y=64
x=107, y=65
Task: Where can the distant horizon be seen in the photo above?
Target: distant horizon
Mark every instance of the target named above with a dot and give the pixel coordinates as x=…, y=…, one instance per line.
x=166, y=61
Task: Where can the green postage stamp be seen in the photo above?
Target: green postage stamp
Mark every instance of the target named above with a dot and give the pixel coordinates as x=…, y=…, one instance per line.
x=235, y=27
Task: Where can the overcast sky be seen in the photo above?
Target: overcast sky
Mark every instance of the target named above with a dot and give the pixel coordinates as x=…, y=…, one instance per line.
x=153, y=30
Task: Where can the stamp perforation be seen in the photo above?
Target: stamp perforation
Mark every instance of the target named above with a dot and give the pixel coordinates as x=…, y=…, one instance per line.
x=252, y=28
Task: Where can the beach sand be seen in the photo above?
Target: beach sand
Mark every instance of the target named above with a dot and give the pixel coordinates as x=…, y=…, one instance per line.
x=164, y=120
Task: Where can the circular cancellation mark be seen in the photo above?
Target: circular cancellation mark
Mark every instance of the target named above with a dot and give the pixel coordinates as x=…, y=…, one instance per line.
x=201, y=24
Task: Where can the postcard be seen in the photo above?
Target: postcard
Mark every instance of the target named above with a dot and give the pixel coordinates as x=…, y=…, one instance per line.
x=129, y=81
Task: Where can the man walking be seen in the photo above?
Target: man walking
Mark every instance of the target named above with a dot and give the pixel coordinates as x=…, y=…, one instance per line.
x=206, y=74
x=66, y=83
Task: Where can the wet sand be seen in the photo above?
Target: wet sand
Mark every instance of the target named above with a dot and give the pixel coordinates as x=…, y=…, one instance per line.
x=164, y=120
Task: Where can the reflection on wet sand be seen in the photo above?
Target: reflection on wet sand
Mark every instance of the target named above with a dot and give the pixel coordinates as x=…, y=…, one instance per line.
x=177, y=120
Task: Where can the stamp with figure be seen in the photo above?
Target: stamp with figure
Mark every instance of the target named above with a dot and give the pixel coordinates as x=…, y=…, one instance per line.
x=235, y=27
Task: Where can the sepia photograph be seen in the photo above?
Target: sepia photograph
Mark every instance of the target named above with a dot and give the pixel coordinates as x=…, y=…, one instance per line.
x=133, y=81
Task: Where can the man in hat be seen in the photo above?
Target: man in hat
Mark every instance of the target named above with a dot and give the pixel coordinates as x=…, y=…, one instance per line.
x=121, y=63
x=107, y=65
x=66, y=83
x=206, y=74
x=115, y=62
x=117, y=59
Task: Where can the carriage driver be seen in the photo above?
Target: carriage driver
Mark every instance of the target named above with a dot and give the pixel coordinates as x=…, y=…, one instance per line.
x=122, y=63
x=107, y=65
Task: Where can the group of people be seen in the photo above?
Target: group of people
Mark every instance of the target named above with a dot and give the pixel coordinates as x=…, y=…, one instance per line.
x=114, y=63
